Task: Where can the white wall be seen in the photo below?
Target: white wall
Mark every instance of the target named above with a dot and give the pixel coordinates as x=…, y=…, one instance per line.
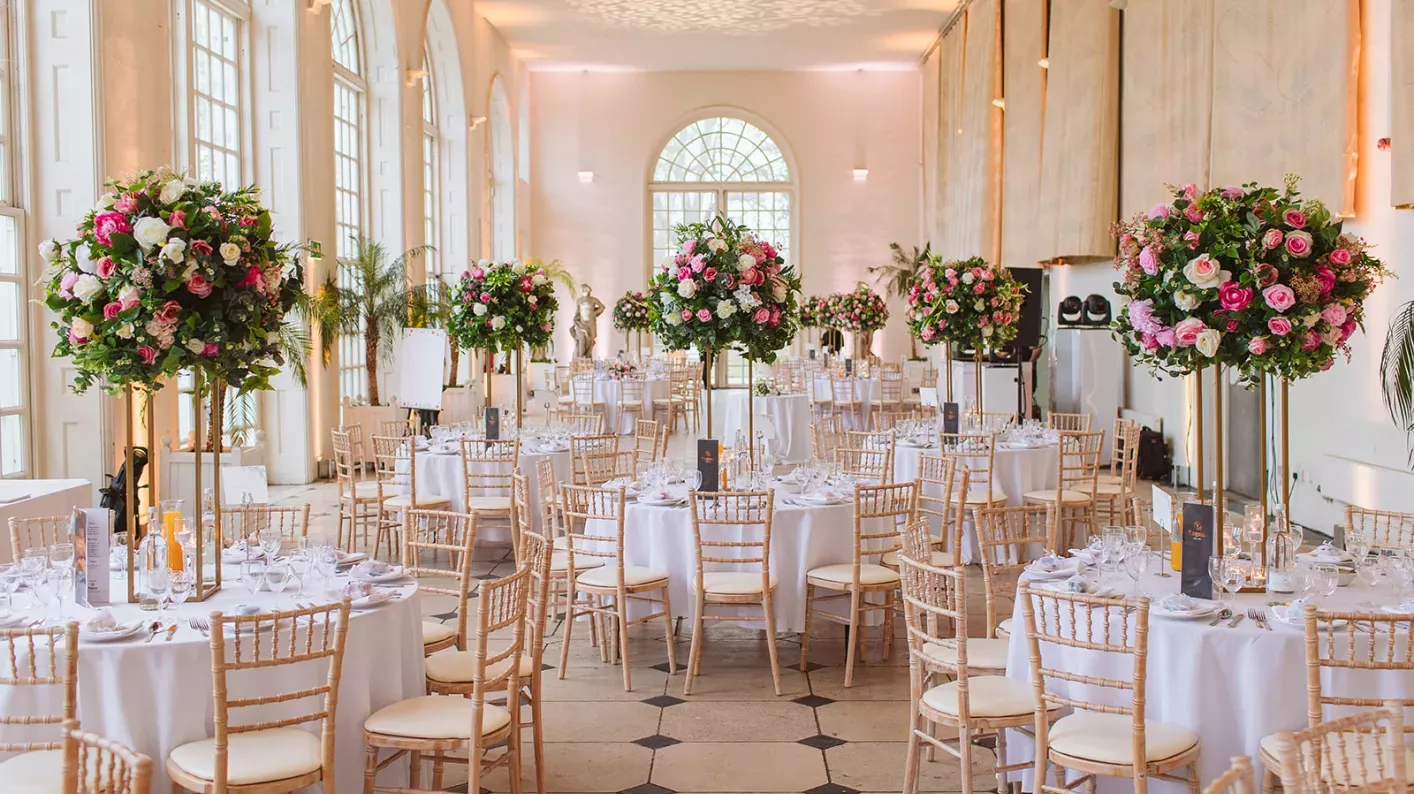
x=614, y=123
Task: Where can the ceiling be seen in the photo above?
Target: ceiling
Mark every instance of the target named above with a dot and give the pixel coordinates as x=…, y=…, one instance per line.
x=718, y=34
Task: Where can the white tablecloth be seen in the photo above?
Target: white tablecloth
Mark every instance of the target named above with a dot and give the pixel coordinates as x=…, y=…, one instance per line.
x=156, y=696
x=38, y=498
x=866, y=390
x=789, y=429
x=1014, y=472
x=444, y=475
x=1231, y=685
x=607, y=391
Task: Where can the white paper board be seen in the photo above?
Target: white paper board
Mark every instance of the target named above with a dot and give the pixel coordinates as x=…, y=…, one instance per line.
x=420, y=356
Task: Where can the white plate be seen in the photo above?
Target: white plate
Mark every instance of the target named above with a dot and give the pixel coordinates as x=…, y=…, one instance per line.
x=674, y=502
x=352, y=559
x=120, y=633
x=395, y=573
x=822, y=501
x=1065, y=572
x=1299, y=624
x=1175, y=614
x=1103, y=591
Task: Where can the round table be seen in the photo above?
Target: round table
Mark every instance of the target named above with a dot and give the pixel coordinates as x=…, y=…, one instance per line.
x=607, y=390
x=789, y=415
x=1231, y=685
x=1015, y=471
x=443, y=474
x=155, y=696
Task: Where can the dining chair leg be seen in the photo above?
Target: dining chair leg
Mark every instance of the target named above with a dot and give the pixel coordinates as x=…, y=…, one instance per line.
x=370, y=768
x=473, y=764
x=694, y=650
x=964, y=754
x=513, y=740
x=805, y=635
x=569, y=628
x=621, y=626
x=414, y=769
x=910, y=766
x=855, y=638
x=770, y=613
x=439, y=767
x=537, y=731
x=889, y=605
x=668, y=632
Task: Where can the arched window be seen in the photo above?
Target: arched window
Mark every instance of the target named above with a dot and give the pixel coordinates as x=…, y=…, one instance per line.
x=350, y=180
x=727, y=166
x=16, y=420
x=502, y=175
x=431, y=141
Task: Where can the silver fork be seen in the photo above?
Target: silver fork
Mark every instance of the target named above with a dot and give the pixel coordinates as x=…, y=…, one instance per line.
x=1258, y=618
x=203, y=626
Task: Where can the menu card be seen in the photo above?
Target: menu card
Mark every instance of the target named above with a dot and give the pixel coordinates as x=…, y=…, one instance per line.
x=91, y=530
x=849, y=366
x=493, y=423
x=812, y=354
x=709, y=465
x=950, y=418
x=1198, y=527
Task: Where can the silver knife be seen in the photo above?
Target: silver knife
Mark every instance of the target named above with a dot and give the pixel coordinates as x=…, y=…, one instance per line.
x=1236, y=620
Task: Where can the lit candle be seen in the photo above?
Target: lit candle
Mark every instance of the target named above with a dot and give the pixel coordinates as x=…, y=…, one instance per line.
x=171, y=528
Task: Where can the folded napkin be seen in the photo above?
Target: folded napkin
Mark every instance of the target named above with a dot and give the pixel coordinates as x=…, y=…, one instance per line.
x=1081, y=584
x=1050, y=562
x=355, y=590
x=369, y=568
x=1295, y=611
x=659, y=495
x=103, y=621
x=1180, y=603
x=1328, y=551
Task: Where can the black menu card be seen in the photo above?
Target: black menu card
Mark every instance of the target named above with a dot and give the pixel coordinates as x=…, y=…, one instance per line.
x=709, y=465
x=1199, y=524
x=849, y=366
x=950, y=416
x=493, y=423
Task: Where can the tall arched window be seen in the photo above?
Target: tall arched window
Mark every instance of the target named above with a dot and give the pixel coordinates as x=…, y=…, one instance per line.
x=727, y=166
x=501, y=177
x=350, y=180
x=431, y=210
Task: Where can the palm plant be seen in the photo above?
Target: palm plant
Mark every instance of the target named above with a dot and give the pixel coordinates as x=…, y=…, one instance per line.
x=372, y=300
x=1397, y=368
x=897, y=277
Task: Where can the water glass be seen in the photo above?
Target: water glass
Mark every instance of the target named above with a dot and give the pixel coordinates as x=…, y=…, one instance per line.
x=179, y=589
x=300, y=566
x=1233, y=574
x=276, y=575
x=252, y=575
x=1324, y=579
x=1137, y=535
x=9, y=582
x=46, y=593
x=1136, y=564
x=159, y=585
x=270, y=542
x=61, y=555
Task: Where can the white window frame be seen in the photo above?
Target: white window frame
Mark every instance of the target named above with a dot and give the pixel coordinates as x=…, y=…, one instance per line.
x=353, y=374
x=431, y=175
x=21, y=345
x=501, y=181
x=20, y=253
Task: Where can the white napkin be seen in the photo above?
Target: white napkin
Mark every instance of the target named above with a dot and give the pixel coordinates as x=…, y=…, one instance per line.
x=103, y=621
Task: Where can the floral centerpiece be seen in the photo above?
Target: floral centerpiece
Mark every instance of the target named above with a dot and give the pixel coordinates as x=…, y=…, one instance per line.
x=725, y=287
x=968, y=302
x=618, y=369
x=171, y=273
x=631, y=312
x=860, y=311
x=1252, y=277
x=504, y=305
x=813, y=311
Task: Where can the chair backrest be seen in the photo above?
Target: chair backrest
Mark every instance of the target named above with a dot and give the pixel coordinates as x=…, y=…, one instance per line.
x=1003, y=535
x=346, y=460
x=393, y=463
x=880, y=514
x=94, y=765
x=1378, y=643
x=976, y=451
x=732, y=531
x=601, y=467
x=1093, y=623
x=997, y=421
x=940, y=482
x=890, y=386
x=487, y=466
x=585, y=423
x=1385, y=529
x=1078, y=461
x=304, y=636
x=550, y=523
x=1359, y=753
x=826, y=435
x=535, y=554
x=500, y=604
x=1236, y=780
x=1118, y=440
x=1125, y=460
x=39, y=657
x=934, y=597
x=247, y=522
x=40, y=532
x=426, y=532
x=888, y=420
x=820, y=391
x=399, y=428
x=843, y=390
x=873, y=465
x=645, y=440
x=631, y=389
x=583, y=390
x=579, y=445
x=581, y=504
x=1072, y=423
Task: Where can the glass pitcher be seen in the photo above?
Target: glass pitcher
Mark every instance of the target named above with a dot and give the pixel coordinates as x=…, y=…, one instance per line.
x=151, y=556
x=1282, y=543
x=172, y=527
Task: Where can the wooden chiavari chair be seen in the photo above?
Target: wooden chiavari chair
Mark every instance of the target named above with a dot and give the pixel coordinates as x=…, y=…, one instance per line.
x=1004, y=536
x=268, y=757
x=357, y=443
x=1121, y=429
x=565, y=399
x=94, y=765
x=977, y=453
x=1112, y=499
x=647, y=436
x=674, y=406
x=732, y=534
x=1378, y=644
x=585, y=424
x=33, y=657
x=1078, y=466
x=426, y=532
x=358, y=495
x=822, y=397
x=582, y=366
x=939, y=481
x=583, y=445
x=1070, y=423
x=585, y=400
x=40, y=532
x=615, y=581
x=875, y=466
x=602, y=467
x=890, y=391
x=997, y=421
x=1385, y=529
x=487, y=466
x=978, y=706
x=396, y=467
x=826, y=436
x=845, y=400
x=551, y=523
x=247, y=522
x=537, y=554
x=1352, y=755
x=1236, y=780
x=395, y=428
x=432, y=727
x=632, y=398
x=885, y=421
x=1098, y=738
x=880, y=512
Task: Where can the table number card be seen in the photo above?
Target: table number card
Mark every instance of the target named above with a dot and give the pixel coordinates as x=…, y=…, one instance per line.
x=812, y=354
x=1198, y=527
x=849, y=366
x=493, y=423
x=709, y=465
x=92, y=531
x=950, y=418
x=1163, y=509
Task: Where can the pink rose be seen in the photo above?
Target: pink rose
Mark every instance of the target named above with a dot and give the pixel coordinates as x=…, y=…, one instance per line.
x=1296, y=219
x=728, y=280
x=1326, y=277
x=1232, y=192
x=1334, y=314
x=1340, y=257
x=66, y=284
x=1257, y=345
x=108, y=224
x=1266, y=275
x=147, y=354
x=927, y=334
x=1347, y=329
x=942, y=325
x=710, y=274
x=1149, y=343
x=761, y=316
x=111, y=310
x=177, y=219
x=127, y=204
x=775, y=316
x=1279, y=326
x=684, y=273
x=1190, y=191
x=686, y=315
x=1160, y=211
x=1193, y=214
x=687, y=247
x=703, y=315
x=1313, y=340
x=1192, y=238
x=484, y=297
x=526, y=285
x=247, y=221
x=253, y=278
x=1233, y=297
x=198, y=285
x=210, y=350
x=1167, y=337
x=698, y=263
x=76, y=340
x=1279, y=296
x=1298, y=244
x=988, y=275
x=130, y=297
x=169, y=311
x=477, y=274
x=1232, y=326
x=201, y=247
x=752, y=277
x=106, y=267
x=979, y=288
x=1149, y=260
x=1187, y=331
x=1272, y=238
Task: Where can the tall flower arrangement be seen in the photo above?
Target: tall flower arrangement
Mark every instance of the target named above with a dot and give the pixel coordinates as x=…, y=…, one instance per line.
x=1252, y=277
x=631, y=312
x=970, y=302
x=725, y=287
x=504, y=305
x=862, y=310
x=170, y=273
x=813, y=311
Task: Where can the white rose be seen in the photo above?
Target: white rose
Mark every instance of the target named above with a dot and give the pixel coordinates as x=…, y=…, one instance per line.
x=49, y=250
x=669, y=261
x=483, y=263
x=125, y=331
x=518, y=267
x=107, y=200
x=520, y=329
x=1204, y=272
x=478, y=309
x=196, y=346
x=86, y=265
x=1185, y=300
x=82, y=328
x=967, y=276
x=986, y=330
x=716, y=245
x=1208, y=341
x=129, y=295
x=979, y=305
x=725, y=309
x=1310, y=320
x=687, y=288
x=175, y=250
x=538, y=279
x=745, y=260
x=672, y=318
x=778, y=290
x=950, y=307
x=172, y=191
x=532, y=300
x=230, y=252
x=497, y=323
x=150, y=232
x=666, y=298
x=87, y=287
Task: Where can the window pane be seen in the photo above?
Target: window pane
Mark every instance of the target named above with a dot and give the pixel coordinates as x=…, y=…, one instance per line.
x=11, y=308
x=9, y=258
x=11, y=379
x=12, y=445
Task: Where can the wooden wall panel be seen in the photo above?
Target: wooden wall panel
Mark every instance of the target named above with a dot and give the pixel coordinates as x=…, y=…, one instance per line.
x=976, y=180
x=1024, y=44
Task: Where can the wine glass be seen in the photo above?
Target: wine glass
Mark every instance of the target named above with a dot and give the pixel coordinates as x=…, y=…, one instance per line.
x=1324, y=579
x=46, y=591
x=1114, y=538
x=1136, y=564
x=300, y=565
x=159, y=586
x=9, y=582
x=276, y=575
x=252, y=575
x=270, y=541
x=179, y=589
x=1358, y=544
x=1215, y=576
x=61, y=555
x=1233, y=573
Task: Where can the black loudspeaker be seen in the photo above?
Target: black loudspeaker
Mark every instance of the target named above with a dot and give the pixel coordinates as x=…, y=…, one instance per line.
x=1028, y=332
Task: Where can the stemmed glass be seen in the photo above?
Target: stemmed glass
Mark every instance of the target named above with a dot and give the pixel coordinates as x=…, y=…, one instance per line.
x=276, y=575
x=179, y=589
x=46, y=592
x=32, y=567
x=9, y=582
x=1324, y=579
x=159, y=586
x=1114, y=539
x=252, y=574
x=61, y=559
x=300, y=565
x=1215, y=575
x=1233, y=575
x=1136, y=563
x=270, y=541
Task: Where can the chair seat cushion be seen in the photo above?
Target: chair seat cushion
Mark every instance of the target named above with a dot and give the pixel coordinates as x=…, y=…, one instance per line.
x=366, y=489
x=1049, y=496
x=1110, y=479
x=1103, y=488
x=458, y=667
x=489, y=503
x=560, y=562
x=844, y=574
x=435, y=717
x=987, y=696
x=1368, y=749
x=1107, y=738
x=981, y=497
x=1004, y=628
x=634, y=576
x=39, y=772
x=982, y=654
x=941, y=559
x=728, y=583
x=424, y=501
x=255, y=757
x=437, y=632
